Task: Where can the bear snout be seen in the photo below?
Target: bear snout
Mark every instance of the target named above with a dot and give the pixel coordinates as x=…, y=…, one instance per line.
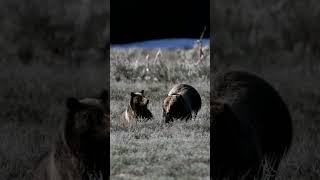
x=145, y=101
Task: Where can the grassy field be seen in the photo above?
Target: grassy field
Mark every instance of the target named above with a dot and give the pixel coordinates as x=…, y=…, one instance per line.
x=152, y=149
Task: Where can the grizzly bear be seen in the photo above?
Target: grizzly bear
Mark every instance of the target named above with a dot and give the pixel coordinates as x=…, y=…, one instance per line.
x=181, y=102
x=250, y=126
x=81, y=150
x=137, y=108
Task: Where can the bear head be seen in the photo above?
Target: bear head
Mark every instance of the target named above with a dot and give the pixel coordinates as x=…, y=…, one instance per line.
x=138, y=101
x=173, y=107
x=86, y=130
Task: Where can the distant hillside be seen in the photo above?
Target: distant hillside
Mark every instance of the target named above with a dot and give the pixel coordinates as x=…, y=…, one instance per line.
x=182, y=43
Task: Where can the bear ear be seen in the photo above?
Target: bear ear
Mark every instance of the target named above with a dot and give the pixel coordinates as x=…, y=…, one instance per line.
x=72, y=103
x=142, y=92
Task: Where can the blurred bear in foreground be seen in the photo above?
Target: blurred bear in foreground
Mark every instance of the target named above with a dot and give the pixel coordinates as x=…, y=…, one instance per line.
x=137, y=108
x=81, y=151
x=181, y=102
x=250, y=126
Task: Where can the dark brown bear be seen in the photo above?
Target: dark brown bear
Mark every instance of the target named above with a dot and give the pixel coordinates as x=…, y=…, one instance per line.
x=81, y=151
x=181, y=102
x=137, y=108
x=250, y=123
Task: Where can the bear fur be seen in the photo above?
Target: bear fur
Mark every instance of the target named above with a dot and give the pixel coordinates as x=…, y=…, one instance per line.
x=250, y=125
x=81, y=150
x=137, y=108
x=181, y=102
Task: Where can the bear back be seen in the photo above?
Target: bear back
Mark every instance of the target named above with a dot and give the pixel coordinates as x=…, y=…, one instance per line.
x=181, y=102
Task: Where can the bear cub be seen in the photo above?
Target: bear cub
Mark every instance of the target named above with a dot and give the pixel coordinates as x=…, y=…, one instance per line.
x=137, y=108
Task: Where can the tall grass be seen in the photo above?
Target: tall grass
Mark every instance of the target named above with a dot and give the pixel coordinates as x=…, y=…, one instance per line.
x=171, y=66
